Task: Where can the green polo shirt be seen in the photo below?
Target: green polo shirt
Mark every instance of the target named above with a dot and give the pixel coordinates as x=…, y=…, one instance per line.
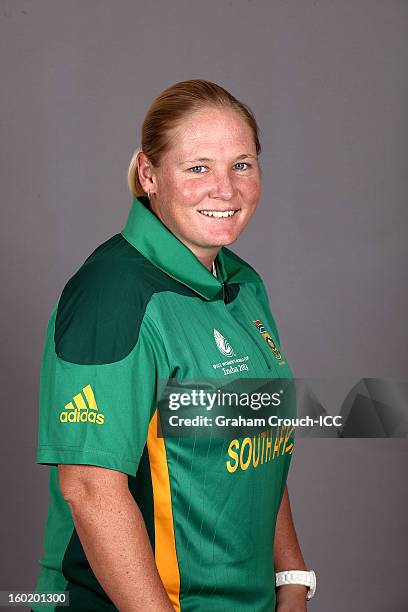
x=142, y=309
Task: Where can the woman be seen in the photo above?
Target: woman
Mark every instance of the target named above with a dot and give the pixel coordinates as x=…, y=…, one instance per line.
x=137, y=521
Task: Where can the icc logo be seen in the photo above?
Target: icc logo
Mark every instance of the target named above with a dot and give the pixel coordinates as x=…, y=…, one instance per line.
x=223, y=345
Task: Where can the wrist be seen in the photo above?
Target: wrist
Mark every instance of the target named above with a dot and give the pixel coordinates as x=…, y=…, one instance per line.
x=292, y=592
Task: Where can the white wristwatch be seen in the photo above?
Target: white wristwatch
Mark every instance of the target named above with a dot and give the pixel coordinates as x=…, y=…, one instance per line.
x=308, y=578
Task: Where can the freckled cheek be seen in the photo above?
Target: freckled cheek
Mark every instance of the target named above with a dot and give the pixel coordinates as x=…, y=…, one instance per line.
x=252, y=188
x=192, y=192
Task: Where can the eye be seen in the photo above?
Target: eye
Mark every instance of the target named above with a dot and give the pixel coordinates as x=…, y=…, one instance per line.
x=196, y=169
x=242, y=164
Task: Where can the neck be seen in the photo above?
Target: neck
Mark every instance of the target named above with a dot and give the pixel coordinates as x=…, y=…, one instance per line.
x=207, y=261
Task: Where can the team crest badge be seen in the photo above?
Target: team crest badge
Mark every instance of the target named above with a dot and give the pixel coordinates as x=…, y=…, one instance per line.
x=262, y=330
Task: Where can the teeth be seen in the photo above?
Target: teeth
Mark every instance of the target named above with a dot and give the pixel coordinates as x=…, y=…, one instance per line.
x=219, y=214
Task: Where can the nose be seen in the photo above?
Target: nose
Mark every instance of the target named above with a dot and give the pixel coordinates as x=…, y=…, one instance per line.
x=222, y=187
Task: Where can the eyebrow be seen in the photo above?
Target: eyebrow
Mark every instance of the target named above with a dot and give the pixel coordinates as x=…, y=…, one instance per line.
x=208, y=159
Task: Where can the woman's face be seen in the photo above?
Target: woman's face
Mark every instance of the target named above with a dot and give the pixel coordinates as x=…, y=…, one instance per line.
x=211, y=168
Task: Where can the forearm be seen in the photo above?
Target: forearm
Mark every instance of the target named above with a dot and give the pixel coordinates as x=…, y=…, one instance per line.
x=115, y=541
x=287, y=555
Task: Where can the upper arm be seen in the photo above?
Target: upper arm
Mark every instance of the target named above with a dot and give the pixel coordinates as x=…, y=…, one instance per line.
x=78, y=480
x=100, y=368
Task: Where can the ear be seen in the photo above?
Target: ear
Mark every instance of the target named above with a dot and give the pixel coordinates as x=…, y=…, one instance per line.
x=147, y=176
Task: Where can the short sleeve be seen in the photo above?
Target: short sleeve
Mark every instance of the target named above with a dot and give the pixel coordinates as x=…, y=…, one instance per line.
x=98, y=412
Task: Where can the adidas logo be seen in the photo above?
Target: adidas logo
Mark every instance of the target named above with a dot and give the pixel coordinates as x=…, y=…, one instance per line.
x=81, y=411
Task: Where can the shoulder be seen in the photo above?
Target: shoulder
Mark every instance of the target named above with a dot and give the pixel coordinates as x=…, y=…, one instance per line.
x=102, y=305
x=256, y=284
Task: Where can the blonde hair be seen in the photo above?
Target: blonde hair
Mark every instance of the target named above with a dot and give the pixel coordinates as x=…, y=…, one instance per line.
x=167, y=112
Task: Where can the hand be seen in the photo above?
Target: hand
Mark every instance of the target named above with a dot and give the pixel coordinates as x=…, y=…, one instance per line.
x=291, y=598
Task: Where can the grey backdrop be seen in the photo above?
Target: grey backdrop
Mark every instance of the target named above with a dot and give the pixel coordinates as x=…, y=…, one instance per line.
x=327, y=81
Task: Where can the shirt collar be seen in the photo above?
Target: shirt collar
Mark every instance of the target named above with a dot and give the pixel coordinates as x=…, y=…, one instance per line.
x=146, y=232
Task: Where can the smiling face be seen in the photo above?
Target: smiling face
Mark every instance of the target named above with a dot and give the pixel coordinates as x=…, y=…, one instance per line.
x=207, y=185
